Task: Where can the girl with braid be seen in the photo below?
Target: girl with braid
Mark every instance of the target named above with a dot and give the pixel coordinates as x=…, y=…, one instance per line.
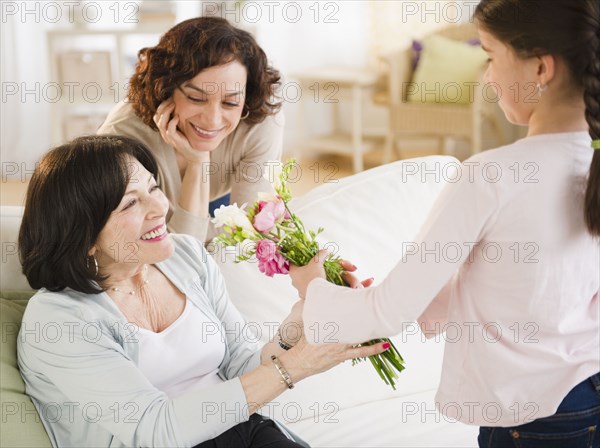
x=509, y=258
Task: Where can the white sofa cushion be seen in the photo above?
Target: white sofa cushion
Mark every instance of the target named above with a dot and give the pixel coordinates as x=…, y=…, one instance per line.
x=366, y=217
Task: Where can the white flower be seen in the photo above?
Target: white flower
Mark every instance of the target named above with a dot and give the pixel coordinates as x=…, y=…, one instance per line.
x=246, y=247
x=232, y=216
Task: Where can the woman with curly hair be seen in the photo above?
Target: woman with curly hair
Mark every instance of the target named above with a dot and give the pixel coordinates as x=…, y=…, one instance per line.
x=204, y=101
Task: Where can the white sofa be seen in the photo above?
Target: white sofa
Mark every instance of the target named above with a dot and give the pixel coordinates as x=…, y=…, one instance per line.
x=366, y=217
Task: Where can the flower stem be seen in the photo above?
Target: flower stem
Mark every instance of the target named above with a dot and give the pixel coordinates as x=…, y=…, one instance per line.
x=387, y=364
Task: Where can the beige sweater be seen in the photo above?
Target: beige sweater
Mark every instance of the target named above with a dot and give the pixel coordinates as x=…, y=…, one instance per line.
x=237, y=164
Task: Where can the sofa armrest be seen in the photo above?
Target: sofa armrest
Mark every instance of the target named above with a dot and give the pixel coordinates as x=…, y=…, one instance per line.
x=21, y=423
x=11, y=275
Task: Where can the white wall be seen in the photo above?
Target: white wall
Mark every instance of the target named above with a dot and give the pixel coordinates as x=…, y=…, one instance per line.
x=328, y=34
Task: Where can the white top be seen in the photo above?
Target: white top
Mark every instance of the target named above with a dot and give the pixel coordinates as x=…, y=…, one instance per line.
x=97, y=362
x=186, y=355
x=505, y=265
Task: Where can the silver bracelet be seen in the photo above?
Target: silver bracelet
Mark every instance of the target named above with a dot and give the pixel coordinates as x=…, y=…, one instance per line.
x=284, y=345
x=284, y=373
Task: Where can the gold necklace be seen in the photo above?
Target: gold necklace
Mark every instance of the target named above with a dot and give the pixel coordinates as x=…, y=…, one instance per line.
x=132, y=292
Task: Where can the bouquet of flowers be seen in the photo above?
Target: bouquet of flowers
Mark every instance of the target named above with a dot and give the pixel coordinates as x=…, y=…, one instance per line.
x=276, y=237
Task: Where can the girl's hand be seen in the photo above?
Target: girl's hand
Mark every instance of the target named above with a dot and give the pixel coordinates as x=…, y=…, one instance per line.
x=351, y=279
x=167, y=123
x=302, y=276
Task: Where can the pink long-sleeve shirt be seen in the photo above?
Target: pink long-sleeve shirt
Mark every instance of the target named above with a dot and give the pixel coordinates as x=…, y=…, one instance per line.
x=505, y=265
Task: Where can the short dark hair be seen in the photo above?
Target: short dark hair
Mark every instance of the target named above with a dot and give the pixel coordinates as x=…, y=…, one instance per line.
x=70, y=197
x=192, y=46
x=570, y=30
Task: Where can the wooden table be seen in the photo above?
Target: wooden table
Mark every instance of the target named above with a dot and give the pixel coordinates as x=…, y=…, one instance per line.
x=326, y=82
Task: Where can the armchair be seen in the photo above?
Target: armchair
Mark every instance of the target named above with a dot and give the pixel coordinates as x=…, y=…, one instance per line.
x=445, y=121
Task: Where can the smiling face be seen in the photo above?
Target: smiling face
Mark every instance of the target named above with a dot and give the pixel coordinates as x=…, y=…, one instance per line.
x=135, y=233
x=514, y=78
x=210, y=104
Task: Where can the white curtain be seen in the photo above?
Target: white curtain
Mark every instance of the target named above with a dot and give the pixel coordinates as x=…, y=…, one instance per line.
x=8, y=73
x=24, y=116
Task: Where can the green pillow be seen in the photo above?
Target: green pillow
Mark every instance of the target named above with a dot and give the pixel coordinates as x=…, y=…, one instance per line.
x=21, y=424
x=445, y=72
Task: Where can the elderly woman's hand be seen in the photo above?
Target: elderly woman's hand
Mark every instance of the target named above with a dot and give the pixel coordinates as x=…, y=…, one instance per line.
x=167, y=123
x=305, y=359
x=302, y=276
x=292, y=328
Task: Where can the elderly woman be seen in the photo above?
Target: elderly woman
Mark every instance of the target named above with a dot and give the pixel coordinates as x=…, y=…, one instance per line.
x=203, y=101
x=140, y=340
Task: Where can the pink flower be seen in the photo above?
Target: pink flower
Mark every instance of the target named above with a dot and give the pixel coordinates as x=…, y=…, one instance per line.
x=269, y=214
x=270, y=261
x=265, y=250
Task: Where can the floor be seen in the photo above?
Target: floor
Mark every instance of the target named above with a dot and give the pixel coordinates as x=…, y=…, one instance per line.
x=319, y=169
x=313, y=171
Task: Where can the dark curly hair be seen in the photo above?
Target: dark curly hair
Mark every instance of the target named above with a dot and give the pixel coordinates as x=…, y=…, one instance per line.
x=566, y=28
x=192, y=46
x=70, y=197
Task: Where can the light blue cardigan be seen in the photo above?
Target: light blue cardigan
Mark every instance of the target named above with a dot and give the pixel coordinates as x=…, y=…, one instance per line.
x=79, y=359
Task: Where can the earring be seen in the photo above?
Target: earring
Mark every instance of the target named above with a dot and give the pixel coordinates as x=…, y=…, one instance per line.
x=87, y=264
x=245, y=115
x=541, y=89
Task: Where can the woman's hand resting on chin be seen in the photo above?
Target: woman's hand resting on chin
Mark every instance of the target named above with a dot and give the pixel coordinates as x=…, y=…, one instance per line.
x=167, y=121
